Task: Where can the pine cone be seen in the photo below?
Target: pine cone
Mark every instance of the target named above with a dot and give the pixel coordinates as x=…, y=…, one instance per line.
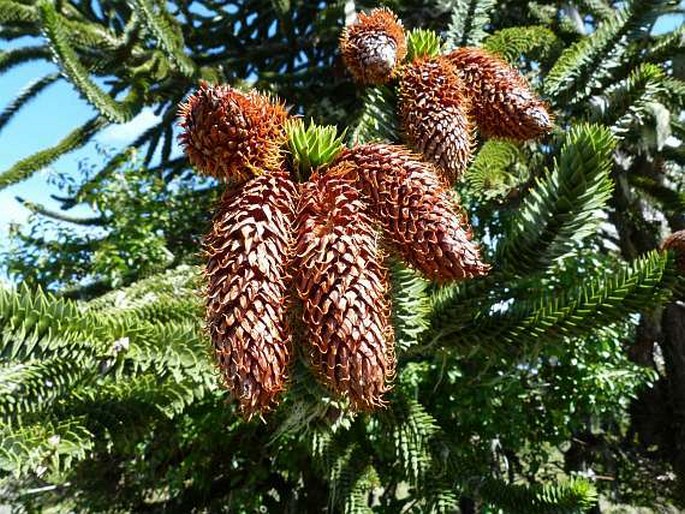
x=433, y=109
x=416, y=211
x=373, y=46
x=232, y=135
x=676, y=243
x=344, y=286
x=248, y=248
x=503, y=103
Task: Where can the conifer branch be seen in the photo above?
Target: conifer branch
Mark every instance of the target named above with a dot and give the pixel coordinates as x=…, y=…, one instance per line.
x=663, y=48
x=628, y=102
x=468, y=21
x=549, y=317
x=58, y=216
x=34, y=323
x=27, y=389
x=28, y=166
x=12, y=12
x=167, y=32
x=25, y=96
x=583, y=66
x=569, y=497
x=53, y=27
x=410, y=305
x=496, y=170
x=24, y=54
x=562, y=208
x=46, y=447
x=412, y=430
x=533, y=42
x=378, y=119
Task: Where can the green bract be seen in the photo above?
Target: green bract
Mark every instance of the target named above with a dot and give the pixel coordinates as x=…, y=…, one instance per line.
x=422, y=43
x=312, y=146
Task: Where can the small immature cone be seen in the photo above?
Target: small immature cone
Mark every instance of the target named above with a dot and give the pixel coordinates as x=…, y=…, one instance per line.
x=231, y=135
x=503, y=103
x=247, y=251
x=373, y=46
x=344, y=288
x=416, y=211
x=433, y=109
x=676, y=243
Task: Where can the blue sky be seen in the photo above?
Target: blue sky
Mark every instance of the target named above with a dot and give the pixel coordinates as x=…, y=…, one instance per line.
x=57, y=111
x=43, y=123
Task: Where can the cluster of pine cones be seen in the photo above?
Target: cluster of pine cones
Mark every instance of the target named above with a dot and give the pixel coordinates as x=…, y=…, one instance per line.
x=309, y=256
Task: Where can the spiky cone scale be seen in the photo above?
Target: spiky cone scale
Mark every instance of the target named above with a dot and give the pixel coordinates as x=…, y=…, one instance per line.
x=343, y=285
x=373, y=46
x=434, y=113
x=503, y=103
x=248, y=250
x=231, y=135
x=416, y=211
x=676, y=243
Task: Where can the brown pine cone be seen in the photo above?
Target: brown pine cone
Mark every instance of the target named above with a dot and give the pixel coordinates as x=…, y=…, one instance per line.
x=231, y=135
x=248, y=249
x=373, y=46
x=503, y=103
x=433, y=109
x=344, y=286
x=416, y=211
x=676, y=243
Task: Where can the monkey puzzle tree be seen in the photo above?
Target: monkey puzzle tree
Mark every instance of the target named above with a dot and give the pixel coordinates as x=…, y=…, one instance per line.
x=114, y=403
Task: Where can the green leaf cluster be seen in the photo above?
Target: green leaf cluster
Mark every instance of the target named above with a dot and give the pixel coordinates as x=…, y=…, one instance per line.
x=312, y=146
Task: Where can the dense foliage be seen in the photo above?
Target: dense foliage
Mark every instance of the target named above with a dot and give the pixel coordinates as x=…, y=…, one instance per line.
x=525, y=391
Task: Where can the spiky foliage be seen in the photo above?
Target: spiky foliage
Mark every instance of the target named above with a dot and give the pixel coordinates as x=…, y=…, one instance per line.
x=576, y=71
x=533, y=42
x=373, y=46
x=566, y=204
x=344, y=288
x=312, y=146
x=29, y=92
x=497, y=170
x=503, y=104
x=422, y=43
x=75, y=139
x=542, y=318
x=418, y=214
x=378, y=119
x=248, y=252
x=54, y=349
x=54, y=29
x=434, y=112
x=566, y=497
x=467, y=21
x=411, y=305
x=232, y=135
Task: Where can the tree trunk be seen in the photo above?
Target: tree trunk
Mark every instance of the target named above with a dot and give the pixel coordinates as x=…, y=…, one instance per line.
x=673, y=327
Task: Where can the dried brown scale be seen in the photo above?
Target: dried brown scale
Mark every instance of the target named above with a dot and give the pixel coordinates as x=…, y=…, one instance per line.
x=433, y=110
x=247, y=252
x=232, y=135
x=416, y=212
x=676, y=243
x=373, y=46
x=344, y=288
x=503, y=103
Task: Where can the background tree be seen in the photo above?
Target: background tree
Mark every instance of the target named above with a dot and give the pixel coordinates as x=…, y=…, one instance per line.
x=507, y=385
